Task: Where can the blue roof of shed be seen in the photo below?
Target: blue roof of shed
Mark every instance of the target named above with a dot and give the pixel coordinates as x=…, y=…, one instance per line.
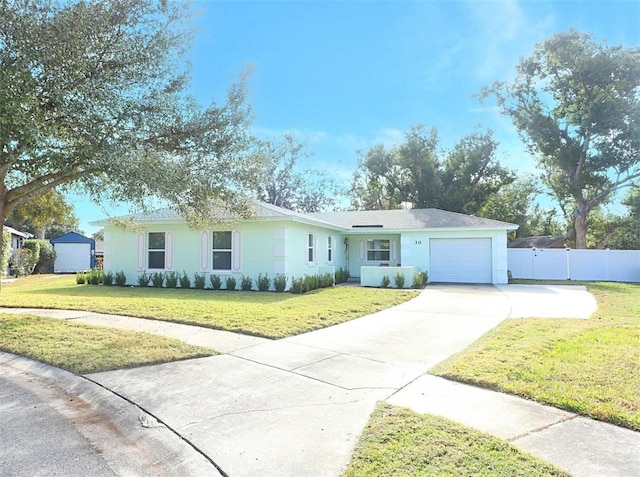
x=72, y=237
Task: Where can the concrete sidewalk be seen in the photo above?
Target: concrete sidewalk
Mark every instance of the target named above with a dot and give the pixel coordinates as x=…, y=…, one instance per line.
x=297, y=406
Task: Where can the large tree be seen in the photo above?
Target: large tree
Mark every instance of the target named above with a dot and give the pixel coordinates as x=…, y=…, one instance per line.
x=282, y=183
x=419, y=173
x=44, y=214
x=576, y=104
x=95, y=93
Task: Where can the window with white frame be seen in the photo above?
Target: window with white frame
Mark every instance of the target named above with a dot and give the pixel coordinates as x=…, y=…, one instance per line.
x=378, y=250
x=311, y=251
x=221, y=259
x=329, y=249
x=156, y=250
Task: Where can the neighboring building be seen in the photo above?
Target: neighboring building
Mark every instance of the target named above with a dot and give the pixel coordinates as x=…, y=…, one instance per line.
x=17, y=239
x=539, y=241
x=450, y=247
x=74, y=253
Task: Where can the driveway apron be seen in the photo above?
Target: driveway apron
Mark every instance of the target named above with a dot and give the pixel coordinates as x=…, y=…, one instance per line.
x=297, y=406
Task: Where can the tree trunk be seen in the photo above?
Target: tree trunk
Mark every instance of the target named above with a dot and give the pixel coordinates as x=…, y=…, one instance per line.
x=2, y=217
x=580, y=226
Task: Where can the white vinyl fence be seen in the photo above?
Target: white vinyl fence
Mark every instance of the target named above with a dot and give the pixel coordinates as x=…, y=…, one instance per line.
x=568, y=264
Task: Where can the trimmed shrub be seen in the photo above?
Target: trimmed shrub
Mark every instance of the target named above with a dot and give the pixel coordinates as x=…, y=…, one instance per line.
x=230, y=282
x=81, y=278
x=419, y=280
x=310, y=282
x=108, y=279
x=47, y=257
x=399, y=279
x=297, y=285
x=246, y=283
x=185, y=281
x=342, y=275
x=263, y=282
x=327, y=280
x=385, y=282
x=144, y=279
x=280, y=282
x=157, y=279
x=199, y=281
x=171, y=280
x=22, y=262
x=215, y=282
x=121, y=279
x=95, y=277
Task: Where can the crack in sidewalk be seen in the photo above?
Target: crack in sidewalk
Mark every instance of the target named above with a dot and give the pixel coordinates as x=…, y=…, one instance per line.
x=543, y=428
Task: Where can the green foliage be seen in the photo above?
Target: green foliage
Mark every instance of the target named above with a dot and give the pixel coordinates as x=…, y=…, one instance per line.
x=199, y=281
x=43, y=215
x=144, y=279
x=4, y=253
x=118, y=119
x=280, y=282
x=81, y=278
x=47, y=257
x=263, y=282
x=575, y=103
x=246, y=283
x=341, y=275
x=311, y=282
x=121, y=279
x=108, y=279
x=385, y=282
x=461, y=180
x=230, y=282
x=399, y=280
x=215, y=281
x=157, y=279
x=297, y=285
x=516, y=203
x=171, y=279
x=419, y=280
x=23, y=261
x=185, y=281
x=95, y=276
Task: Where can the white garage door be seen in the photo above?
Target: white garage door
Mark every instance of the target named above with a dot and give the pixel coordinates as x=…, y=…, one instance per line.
x=460, y=260
x=72, y=257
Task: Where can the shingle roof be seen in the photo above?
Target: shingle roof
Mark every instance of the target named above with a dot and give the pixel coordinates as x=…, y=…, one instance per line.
x=403, y=219
x=540, y=241
x=399, y=219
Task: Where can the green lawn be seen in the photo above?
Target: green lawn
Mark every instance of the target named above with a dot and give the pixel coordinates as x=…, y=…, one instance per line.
x=268, y=314
x=591, y=367
x=83, y=349
x=400, y=442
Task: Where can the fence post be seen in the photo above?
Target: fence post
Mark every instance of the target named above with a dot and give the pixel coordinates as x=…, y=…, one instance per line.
x=568, y=258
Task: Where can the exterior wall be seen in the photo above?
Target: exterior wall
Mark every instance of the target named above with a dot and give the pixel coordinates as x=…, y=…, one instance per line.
x=415, y=249
x=267, y=247
x=358, y=252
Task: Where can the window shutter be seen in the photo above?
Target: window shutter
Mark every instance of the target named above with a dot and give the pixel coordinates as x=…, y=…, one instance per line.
x=141, y=252
x=394, y=250
x=204, y=251
x=168, y=257
x=236, y=250
x=363, y=250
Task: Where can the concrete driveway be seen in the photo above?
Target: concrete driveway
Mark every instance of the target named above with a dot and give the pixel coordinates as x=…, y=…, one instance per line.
x=297, y=406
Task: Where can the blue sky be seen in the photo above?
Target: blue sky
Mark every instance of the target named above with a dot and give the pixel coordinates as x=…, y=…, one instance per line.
x=346, y=75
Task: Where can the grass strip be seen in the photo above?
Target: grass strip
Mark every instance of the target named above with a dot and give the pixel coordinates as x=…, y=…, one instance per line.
x=591, y=367
x=268, y=314
x=398, y=441
x=83, y=349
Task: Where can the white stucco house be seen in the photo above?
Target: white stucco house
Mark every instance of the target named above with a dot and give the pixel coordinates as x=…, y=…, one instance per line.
x=450, y=247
